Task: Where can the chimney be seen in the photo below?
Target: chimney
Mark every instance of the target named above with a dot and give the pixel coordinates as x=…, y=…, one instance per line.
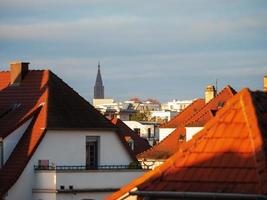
x=210, y=93
x=265, y=84
x=17, y=72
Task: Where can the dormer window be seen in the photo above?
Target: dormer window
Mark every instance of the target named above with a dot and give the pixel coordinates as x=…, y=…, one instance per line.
x=181, y=138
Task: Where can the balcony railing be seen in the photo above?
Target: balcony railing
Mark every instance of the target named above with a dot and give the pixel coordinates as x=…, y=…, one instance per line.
x=84, y=167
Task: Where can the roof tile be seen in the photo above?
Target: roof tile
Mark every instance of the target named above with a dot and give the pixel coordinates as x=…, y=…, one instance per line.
x=226, y=166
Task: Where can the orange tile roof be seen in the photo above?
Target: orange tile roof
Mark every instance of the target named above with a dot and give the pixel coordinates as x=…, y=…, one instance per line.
x=168, y=146
x=53, y=105
x=228, y=156
x=201, y=117
x=171, y=143
x=185, y=115
x=140, y=144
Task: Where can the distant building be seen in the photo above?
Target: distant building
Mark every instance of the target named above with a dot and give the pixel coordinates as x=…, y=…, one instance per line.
x=176, y=105
x=99, y=87
x=147, y=130
x=162, y=115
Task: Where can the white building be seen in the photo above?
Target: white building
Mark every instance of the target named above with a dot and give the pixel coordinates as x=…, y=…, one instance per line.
x=54, y=145
x=164, y=115
x=176, y=105
x=146, y=130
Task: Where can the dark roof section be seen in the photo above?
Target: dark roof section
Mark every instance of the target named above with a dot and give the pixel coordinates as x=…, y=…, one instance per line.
x=68, y=110
x=171, y=143
x=140, y=144
x=228, y=156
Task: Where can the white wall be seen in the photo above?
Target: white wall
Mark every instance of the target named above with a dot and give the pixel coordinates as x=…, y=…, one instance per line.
x=12, y=139
x=67, y=148
x=143, y=127
x=162, y=114
x=89, y=179
x=191, y=131
x=57, y=143
x=83, y=196
x=164, y=132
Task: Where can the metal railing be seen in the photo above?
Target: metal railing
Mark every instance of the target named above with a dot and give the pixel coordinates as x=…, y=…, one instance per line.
x=84, y=167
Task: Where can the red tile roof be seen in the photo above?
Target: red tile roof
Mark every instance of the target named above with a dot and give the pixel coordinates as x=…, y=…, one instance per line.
x=140, y=144
x=201, y=117
x=228, y=156
x=171, y=143
x=183, y=116
x=53, y=104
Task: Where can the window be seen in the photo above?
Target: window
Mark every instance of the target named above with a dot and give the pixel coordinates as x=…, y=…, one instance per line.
x=1, y=154
x=131, y=144
x=92, y=152
x=137, y=130
x=149, y=132
x=181, y=137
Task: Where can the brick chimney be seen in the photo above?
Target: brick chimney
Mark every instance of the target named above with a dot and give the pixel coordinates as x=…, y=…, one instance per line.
x=210, y=93
x=265, y=84
x=17, y=72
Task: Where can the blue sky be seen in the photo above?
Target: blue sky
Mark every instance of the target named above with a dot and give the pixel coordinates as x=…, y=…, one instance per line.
x=168, y=49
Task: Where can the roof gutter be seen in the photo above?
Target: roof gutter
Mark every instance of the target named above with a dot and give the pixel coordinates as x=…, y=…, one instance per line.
x=197, y=195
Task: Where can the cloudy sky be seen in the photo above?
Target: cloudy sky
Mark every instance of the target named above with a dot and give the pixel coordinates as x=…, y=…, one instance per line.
x=166, y=49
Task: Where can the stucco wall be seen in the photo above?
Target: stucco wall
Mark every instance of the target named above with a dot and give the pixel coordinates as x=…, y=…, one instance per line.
x=67, y=148
x=191, y=131
x=143, y=127
x=12, y=139
x=164, y=132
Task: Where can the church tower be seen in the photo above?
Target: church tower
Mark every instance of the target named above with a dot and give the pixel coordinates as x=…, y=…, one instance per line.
x=99, y=87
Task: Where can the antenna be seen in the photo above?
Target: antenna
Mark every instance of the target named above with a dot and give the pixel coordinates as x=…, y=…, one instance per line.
x=216, y=85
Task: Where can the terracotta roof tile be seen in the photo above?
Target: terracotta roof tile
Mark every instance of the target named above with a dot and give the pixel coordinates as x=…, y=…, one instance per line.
x=227, y=165
x=196, y=114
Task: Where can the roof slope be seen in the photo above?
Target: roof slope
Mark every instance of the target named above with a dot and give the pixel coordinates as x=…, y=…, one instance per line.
x=183, y=116
x=171, y=143
x=229, y=155
x=201, y=117
x=68, y=110
x=53, y=105
x=140, y=144
x=32, y=94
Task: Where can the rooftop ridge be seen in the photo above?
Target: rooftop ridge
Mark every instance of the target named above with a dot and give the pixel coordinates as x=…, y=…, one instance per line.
x=227, y=87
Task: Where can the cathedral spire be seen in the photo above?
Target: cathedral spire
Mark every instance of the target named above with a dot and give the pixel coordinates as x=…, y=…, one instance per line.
x=99, y=87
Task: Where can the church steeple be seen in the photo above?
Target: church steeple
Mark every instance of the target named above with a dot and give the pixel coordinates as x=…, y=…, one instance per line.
x=99, y=87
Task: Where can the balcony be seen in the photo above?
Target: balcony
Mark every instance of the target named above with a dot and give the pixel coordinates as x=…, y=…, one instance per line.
x=80, y=178
x=84, y=167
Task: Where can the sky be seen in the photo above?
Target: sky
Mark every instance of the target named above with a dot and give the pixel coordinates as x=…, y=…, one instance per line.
x=163, y=49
